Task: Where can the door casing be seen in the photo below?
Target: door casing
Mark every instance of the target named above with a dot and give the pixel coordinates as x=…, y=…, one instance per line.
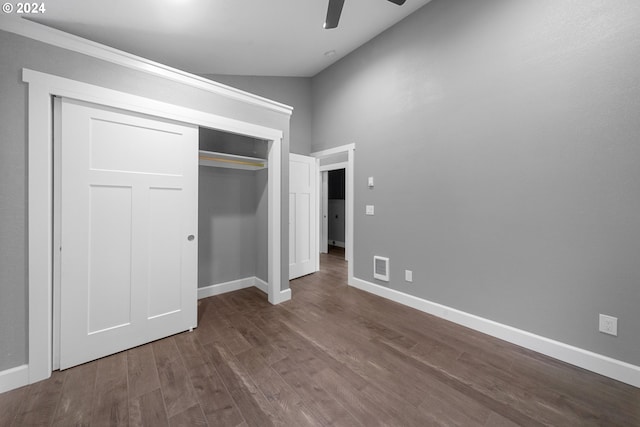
x=42, y=88
x=350, y=150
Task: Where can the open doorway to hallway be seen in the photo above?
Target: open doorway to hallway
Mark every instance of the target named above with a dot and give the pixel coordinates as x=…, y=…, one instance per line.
x=339, y=162
x=333, y=212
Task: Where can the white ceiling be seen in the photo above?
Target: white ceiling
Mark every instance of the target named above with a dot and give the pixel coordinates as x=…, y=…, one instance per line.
x=243, y=37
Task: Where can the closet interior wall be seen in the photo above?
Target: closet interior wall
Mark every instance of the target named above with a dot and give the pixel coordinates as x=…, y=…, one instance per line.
x=232, y=209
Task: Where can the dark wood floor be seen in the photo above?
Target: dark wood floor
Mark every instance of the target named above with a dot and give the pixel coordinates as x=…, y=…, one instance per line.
x=333, y=355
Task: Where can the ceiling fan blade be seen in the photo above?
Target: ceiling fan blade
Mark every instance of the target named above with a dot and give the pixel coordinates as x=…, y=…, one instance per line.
x=398, y=2
x=333, y=13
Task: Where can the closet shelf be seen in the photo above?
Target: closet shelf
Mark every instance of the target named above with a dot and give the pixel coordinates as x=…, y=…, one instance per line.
x=231, y=161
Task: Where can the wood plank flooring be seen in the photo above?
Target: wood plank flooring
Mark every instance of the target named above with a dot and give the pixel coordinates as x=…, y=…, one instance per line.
x=333, y=355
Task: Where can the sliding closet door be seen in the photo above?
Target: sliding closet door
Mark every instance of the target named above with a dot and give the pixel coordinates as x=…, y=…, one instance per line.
x=128, y=224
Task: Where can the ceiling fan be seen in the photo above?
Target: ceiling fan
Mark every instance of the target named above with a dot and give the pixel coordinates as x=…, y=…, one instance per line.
x=335, y=10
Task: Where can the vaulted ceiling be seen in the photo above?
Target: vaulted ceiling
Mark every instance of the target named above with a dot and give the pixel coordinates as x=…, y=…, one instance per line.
x=243, y=37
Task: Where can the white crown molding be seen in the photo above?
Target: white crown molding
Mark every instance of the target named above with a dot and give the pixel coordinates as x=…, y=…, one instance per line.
x=77, y=44
x=336, y=150
x=603, y=365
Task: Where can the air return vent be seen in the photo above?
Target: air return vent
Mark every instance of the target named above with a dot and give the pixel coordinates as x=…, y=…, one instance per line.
x=381, y=268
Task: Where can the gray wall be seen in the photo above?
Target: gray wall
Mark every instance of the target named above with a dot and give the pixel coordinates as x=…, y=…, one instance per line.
x=232, y=225
x=336, y=221
x=233, y=213
x=225, y=142
x=504, y=141
x=227, y=225
x=17, y=52
x=293, y=91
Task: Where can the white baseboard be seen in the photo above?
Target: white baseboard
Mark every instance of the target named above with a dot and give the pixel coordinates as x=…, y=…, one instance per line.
x=338, y=244
x=234, y=285
x=223, y=288
x=14, y=378
x=603, y=365
x=261, y=284
x=284, y=295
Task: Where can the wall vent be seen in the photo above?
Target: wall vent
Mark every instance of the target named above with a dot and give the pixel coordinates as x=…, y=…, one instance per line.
x=381, y=268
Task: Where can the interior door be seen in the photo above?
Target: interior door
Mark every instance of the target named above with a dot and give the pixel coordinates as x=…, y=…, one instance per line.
x=128, y=266
x=303, y=172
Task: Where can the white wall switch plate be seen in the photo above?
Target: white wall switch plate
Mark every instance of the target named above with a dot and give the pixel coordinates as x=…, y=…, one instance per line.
x=370, y=182
x=608, y=325
x=408, y=276
x=369, y=210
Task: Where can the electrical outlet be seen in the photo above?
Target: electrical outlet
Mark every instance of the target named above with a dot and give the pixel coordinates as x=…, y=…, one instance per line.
x=369, y=210
x=408, y=276
x=608, y=325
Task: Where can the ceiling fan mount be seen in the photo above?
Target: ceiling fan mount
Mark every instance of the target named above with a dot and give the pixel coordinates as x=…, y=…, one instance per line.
x=335, y=10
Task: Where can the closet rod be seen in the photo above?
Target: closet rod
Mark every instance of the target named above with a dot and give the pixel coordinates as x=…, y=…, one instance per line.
x=238, y=162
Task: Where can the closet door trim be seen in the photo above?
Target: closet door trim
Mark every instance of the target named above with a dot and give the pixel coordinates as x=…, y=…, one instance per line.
x=41, y=88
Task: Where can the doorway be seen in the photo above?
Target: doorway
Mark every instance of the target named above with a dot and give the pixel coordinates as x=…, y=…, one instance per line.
x=336, y=159
x=333, y=229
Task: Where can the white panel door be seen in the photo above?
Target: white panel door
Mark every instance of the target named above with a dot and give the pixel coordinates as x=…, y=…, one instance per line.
x=128, y=222
x=303, y=215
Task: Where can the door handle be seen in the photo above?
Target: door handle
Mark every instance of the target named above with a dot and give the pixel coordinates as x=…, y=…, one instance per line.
x=190, y=237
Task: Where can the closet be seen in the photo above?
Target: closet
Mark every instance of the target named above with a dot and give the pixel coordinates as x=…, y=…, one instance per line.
x=232, y=212
x=113, y=217
x=128, y=225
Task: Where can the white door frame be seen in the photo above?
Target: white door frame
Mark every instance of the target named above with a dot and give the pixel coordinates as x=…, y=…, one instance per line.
x=41, y=88
x=350, y=149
